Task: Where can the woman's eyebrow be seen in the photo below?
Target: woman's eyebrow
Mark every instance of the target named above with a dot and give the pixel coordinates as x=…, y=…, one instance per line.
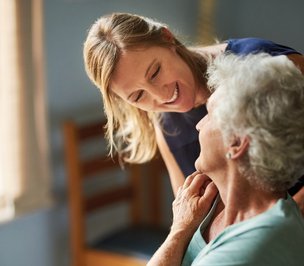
x=149, y=67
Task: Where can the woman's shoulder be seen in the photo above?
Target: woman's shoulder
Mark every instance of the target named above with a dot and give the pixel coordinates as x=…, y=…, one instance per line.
x=253, y=45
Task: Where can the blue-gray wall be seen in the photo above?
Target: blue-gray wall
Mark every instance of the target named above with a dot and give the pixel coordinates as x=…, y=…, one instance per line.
x=277, y=20
x=40, y=239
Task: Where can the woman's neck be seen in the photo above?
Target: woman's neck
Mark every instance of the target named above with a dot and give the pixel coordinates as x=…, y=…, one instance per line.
x=239, y=201
x=242, y=200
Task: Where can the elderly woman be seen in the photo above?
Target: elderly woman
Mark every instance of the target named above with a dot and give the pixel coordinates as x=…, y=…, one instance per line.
x=252, y=148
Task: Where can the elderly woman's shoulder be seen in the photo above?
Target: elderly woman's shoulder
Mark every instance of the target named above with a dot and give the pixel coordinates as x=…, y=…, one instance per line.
x=275, y=237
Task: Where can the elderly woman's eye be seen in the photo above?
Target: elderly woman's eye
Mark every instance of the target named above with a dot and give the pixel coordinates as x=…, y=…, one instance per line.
x=154, y=75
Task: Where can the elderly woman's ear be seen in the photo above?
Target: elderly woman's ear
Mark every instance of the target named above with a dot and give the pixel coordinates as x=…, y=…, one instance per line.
x=238, y=147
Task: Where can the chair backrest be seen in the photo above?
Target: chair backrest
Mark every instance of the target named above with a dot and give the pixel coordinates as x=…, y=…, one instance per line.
x=80, y=169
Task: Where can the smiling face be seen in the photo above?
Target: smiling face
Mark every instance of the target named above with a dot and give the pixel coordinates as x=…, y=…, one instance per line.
x=156, y=79
x=212, y=155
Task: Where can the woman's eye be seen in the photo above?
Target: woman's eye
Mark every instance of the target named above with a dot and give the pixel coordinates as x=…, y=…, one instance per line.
x=139, y=95
x=155, y=73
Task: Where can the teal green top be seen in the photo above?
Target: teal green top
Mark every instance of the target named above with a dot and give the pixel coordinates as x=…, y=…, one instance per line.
x=275, y=237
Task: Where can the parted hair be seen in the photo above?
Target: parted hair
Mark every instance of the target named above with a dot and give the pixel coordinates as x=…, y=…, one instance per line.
x=263, y=99
x=130, y=131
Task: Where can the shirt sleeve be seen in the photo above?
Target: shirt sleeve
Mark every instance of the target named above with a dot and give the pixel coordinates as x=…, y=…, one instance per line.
x=247, y=46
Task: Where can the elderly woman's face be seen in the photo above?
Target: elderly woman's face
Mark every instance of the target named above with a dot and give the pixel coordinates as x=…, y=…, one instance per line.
x=212, y=154
x=155, y=79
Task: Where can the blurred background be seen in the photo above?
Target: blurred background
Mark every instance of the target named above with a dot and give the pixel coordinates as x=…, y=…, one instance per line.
x=51, y=80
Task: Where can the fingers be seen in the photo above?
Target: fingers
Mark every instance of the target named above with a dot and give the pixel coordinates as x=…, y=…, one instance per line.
x=195, y=184
x=198, y=184
x=209, y=194
x=204, y=186
x=189, y=179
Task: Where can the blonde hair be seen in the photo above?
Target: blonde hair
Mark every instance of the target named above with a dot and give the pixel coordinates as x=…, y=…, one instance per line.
x=130, y=131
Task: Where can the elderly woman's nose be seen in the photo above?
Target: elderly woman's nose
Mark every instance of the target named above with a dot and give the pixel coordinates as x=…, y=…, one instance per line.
x=200, y=123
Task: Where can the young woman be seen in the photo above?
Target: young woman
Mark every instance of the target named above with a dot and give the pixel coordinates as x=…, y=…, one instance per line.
x=154, y=88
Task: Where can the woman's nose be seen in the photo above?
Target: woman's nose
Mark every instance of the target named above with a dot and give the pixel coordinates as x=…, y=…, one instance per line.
x=162, y=93
x=159, y=93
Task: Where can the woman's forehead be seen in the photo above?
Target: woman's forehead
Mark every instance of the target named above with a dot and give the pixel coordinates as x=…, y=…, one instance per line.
x=129, y=64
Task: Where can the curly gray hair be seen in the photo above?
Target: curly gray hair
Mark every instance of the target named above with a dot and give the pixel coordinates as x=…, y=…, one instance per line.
x=264, y=100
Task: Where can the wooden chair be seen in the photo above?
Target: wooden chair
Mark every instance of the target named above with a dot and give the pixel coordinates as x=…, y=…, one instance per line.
x=130, y=246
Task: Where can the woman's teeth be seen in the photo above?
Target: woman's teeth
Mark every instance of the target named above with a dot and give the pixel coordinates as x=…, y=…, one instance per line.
x=174, y=96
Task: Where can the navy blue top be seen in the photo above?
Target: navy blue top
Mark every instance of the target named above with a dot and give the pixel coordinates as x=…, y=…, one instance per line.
x=179, y=128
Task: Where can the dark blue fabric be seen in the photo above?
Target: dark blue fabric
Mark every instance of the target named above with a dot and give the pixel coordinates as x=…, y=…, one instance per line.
x=138, y=241
x=247, y=46
x=179, y=128
x=182, y=136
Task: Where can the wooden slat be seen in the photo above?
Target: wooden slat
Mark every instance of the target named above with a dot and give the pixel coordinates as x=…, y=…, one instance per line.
x=135, y=176
x=77, y=230
x=105, y=258
x=91, y=130
x=113, y=196
x=96, y=165
x=156, y=167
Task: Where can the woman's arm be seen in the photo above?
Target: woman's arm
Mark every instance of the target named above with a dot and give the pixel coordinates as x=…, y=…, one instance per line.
x=171, y=251
x=176, y=176
x=192, y=203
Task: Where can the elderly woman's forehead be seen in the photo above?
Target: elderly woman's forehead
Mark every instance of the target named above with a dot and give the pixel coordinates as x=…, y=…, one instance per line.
x=214, y=98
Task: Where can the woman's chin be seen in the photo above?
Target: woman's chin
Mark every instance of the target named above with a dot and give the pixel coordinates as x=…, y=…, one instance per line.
x=185, y=108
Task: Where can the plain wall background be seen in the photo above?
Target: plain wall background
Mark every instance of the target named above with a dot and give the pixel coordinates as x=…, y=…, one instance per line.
x=277, y=20
x=40, y=239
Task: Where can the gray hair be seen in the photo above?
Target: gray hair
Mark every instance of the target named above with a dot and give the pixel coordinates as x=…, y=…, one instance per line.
x=264, y=100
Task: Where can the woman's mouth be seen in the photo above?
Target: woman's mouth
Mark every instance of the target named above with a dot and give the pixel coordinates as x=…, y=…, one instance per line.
x=175, y=95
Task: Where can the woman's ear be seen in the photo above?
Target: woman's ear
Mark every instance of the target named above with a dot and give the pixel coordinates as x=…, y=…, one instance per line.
x=239, y=147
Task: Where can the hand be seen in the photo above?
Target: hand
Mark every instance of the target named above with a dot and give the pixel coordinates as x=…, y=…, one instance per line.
x=192, y=202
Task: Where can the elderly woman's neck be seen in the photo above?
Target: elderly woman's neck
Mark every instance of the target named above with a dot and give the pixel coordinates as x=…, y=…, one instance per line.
x=242, y=200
